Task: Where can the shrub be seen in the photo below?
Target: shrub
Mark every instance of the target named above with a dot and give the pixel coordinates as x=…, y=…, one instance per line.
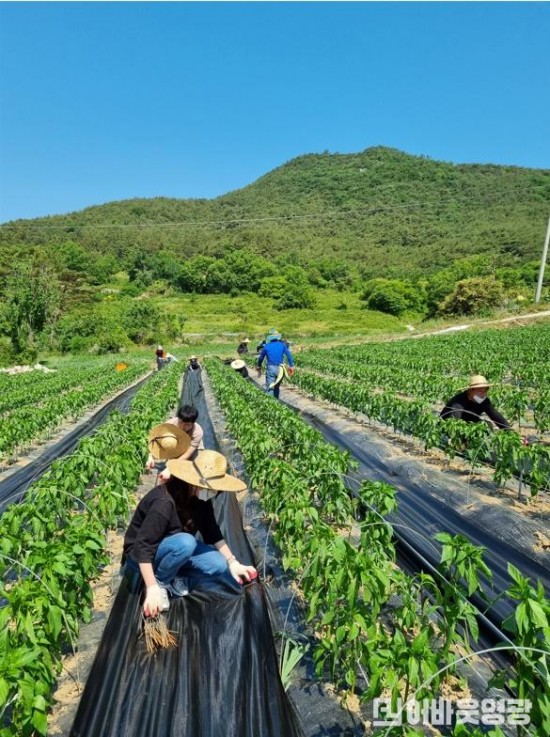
x=472, y=296
x=393, y=296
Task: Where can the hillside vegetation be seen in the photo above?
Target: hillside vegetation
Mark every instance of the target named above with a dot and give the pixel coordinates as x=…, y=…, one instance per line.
x=398, y=234
x=381, y=208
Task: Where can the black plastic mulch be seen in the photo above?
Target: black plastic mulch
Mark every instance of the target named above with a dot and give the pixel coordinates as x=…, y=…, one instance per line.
x=221, y=680
x=13, y=488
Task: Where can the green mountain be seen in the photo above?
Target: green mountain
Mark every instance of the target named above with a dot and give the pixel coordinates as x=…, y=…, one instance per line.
x=393, y=213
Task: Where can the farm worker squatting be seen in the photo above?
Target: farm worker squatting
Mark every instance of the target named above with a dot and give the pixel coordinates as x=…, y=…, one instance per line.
x=160, y=541
x=275, y=351
x=471, y=403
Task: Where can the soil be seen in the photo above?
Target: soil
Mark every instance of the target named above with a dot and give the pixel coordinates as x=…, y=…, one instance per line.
x=478, y=486
x=76, y=666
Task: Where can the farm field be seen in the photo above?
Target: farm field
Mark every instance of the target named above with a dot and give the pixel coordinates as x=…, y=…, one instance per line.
x=371, y=624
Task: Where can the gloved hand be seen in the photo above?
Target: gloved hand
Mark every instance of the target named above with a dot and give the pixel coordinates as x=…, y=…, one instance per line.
x=153, y=601
x=240, y=572
x=150, y=463
x=291, y=370
x=164, y=475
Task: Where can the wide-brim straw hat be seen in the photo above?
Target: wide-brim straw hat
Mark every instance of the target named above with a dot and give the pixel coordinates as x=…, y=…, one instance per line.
x=208, y=471
x=167, y=441
x=477, y=381
x=246, y=340
x=193, y=358
x=237, y=364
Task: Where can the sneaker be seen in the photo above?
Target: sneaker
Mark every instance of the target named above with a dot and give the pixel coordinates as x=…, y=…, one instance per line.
x=165, y=606
x=180, y=586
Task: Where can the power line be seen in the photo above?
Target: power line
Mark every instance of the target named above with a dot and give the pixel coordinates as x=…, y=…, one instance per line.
x=374, y=209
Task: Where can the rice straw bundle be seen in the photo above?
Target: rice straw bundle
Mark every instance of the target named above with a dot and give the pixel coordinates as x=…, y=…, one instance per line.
x=156, y=633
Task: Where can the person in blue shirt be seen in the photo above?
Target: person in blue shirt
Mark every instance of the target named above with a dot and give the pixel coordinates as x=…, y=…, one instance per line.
x=274, y=351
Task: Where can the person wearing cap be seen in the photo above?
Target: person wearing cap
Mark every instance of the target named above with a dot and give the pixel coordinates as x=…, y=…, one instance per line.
x=275, y=351
x=243, y=347
x=161, y=542
x=194, y=364
x=239, y=366
x=471, y=403
x=185, y=421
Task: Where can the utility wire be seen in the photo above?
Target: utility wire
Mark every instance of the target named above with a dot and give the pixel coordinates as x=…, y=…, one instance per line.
x=373, y=209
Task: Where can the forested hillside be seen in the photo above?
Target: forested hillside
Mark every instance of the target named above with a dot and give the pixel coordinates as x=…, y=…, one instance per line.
x=398, y=234
x=382, y=209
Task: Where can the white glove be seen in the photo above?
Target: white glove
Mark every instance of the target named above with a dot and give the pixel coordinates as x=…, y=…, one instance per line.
x=164, y=475
x=240, y=572
x=153, y=601
x=150, y=463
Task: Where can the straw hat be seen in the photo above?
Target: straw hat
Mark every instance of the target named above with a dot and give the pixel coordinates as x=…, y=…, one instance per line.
x=237, y=364
x=193, y=358
x=246, y=340
x=477, y=381
x=208, y=471
x=167, y=441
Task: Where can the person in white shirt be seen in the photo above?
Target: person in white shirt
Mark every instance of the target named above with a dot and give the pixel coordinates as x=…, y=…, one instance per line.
x=186, y=420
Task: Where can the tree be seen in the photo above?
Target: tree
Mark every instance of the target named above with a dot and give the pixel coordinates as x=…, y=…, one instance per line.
x=33, y=297
x=296, y=296
x=393, y=296
x=141, y=321
x=273, y=286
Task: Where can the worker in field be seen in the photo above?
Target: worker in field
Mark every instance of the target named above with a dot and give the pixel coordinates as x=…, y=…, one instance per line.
x=275, y=351
x=160, y=357
x=185, y=421
x=239, y=366
x=473, y=402
x=161, y=544
x=194, y=364
x=243, y=347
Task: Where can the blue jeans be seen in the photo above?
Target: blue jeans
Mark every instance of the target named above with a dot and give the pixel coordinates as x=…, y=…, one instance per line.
x=271, y=373
x=183, y=563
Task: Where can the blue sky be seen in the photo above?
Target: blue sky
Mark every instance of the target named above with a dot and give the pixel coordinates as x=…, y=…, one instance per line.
x=108, y=101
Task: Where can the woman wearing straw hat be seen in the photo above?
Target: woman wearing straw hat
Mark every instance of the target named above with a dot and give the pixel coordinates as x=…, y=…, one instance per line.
x=160, y=541
x=471, y=403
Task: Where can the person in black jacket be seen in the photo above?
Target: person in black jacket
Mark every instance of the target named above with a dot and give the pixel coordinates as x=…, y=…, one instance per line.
x=471, y=403
x=160, y=541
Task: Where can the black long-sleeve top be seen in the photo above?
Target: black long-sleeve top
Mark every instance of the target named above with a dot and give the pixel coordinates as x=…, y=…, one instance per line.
x=462, y=408
x=156, y=517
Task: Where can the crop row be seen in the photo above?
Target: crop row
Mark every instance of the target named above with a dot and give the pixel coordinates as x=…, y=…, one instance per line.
x=30, y=423
x=519, y=356
x=53, y=545
x=516, y=402
x=44, y=386
x=346, y=570
x=504, y=450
